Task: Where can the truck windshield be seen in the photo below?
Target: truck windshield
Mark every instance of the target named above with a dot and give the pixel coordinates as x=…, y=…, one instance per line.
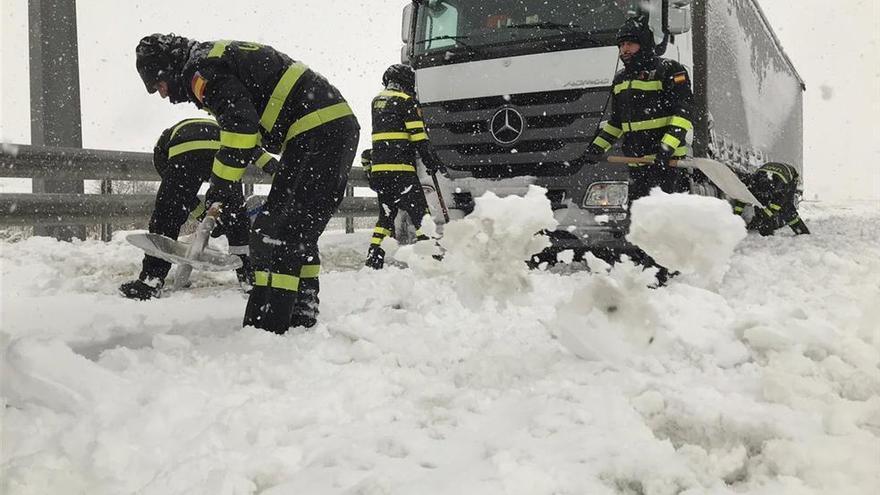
x=485, y=23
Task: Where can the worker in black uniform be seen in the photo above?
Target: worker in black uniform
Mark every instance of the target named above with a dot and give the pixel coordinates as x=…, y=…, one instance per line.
x=399, y=139
x=774, y=185
x=183, y=156
x=651, y=111
x=261, y=96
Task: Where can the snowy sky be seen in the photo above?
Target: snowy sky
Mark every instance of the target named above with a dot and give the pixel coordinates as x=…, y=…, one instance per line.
x=842, y=141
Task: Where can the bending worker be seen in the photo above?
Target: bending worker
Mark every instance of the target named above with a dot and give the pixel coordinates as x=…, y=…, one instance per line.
x=260, y=95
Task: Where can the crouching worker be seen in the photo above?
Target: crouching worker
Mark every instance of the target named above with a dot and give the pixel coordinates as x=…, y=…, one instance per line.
x=183, y=157
x=775, y=186
x=399, y=139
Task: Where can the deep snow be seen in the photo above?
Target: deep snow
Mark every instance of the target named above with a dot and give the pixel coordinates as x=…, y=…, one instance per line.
x=470, y=376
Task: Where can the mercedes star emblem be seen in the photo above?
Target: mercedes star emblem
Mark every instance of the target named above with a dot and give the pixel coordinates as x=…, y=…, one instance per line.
x=507, y=125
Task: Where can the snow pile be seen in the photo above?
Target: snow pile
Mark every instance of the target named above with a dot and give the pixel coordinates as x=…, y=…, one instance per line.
x=613, y=317
x=484, y=253
x=695, y=235
x=768, y=385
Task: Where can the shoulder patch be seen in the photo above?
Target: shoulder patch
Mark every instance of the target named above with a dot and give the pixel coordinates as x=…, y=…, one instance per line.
x=198, y=85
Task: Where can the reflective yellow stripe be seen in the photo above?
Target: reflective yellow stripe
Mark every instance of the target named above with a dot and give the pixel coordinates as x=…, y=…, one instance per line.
x=605, y=145
x=418, y=137
x=796, y=220
x=774, y=207
x=681, y=122
x=279, y=95
x=283, y=281
x=190, y=121
x=395, y=93
x=639, y=85
x=381, y=231
x=264, y=159
x=309, y=271
x=671, y=140
x=389, y=167
x=738, y=209
x=317, y=118
x=680, y=152
x=415, y=124
x=614, y=131
x=390, y=136
x=261, y=279
x=198, y=211
x=660, y=123
x=376, y=241
x=192, y=146
x=238, y=140
x=224, y=171
x=218, y=48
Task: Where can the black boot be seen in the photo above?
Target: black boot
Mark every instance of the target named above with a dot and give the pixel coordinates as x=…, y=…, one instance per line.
x=256, y=307
x=278, y=311
x=142, y=290
x=305, y=311
x=375, y=258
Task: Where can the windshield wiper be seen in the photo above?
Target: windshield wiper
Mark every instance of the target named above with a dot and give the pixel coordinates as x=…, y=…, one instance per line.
x=456, y=39
x=563, y=28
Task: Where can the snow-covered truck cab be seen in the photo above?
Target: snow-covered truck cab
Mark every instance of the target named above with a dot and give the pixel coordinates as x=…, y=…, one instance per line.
x=513, y=92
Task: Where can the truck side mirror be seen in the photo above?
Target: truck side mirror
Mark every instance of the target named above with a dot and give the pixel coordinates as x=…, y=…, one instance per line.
x=407, y=23
x=404, y=55
x=678, y=17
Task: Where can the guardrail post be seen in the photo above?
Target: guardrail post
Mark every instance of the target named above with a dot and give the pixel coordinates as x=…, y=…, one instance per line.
x=349, y=221
x=54, y=84
x=106, y=228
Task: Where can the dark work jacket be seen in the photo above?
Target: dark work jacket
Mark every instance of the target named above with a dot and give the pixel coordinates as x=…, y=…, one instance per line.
x=399, y=135
x=259, y=96
x=651, y=103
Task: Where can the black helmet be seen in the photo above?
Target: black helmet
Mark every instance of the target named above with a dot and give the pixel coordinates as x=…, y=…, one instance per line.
x=161, y=57
x=636, y=29
x=402, y=75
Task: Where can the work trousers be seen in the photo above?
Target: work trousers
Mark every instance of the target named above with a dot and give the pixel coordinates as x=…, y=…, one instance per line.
x=397, y=191
x=306, y=192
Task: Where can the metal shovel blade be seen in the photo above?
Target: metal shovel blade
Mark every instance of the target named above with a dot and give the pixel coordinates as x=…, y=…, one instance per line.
x=210, y=260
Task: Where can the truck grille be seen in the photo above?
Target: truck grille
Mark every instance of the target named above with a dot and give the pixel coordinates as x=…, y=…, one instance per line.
x=558, y=127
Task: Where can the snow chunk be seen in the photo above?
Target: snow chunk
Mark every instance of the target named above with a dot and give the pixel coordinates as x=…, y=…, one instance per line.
x=695, y=235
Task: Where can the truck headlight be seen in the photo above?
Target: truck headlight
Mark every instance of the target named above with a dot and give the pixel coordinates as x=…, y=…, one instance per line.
x=606, y=195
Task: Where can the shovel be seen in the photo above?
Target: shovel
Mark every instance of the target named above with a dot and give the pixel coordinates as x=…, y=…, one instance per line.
x=717, y=172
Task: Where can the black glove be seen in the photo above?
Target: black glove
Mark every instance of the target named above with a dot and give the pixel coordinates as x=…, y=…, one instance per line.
x=663, y=156
x=593, y=154
x=219, y=193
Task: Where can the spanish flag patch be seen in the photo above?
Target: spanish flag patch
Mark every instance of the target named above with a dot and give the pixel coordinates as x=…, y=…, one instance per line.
x=198, y=85
x=680, y=78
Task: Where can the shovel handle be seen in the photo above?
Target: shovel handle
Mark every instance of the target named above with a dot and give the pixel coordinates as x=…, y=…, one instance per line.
x=636, y=159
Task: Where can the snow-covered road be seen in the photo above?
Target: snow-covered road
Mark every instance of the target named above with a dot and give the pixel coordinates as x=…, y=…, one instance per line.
x=765, y=384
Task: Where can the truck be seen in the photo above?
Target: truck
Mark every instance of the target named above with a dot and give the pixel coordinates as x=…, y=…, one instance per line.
x=512, y=93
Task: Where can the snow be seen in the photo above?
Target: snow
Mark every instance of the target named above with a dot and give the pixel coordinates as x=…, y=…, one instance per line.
x=552, y=382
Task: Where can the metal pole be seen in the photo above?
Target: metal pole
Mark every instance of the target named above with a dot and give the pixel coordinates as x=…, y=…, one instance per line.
x=349, y=221
x=55, y=98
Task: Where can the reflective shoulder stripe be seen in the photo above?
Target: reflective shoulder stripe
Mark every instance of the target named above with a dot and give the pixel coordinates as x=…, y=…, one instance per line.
x=218, y=49
x=317, y=118
x=419, y=137
x=605, y=145
x=639, y=85
x=390, y=136
x=191, y=121
x=192, y=146
x=280, y=93
x=232, y=174
x=614, y=131
x=238, y=140
x=415, y=124
x=261, y=279
x=309, y=271
x=264, y=159
x=284, y=281
x=392, y=167
x=398, y=94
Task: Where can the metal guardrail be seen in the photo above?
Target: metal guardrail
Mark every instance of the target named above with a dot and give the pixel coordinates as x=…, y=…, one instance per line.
x=36, y=162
